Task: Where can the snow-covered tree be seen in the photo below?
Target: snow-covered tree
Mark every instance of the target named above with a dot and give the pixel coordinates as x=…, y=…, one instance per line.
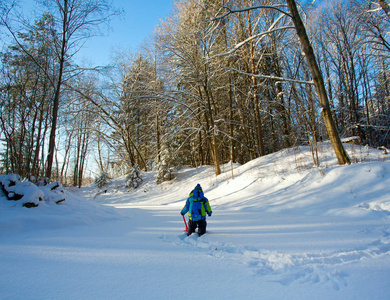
x=133, y=179
x=102, y=180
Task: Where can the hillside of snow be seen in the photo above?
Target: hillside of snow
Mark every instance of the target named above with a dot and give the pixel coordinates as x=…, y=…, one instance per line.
x=280, y=229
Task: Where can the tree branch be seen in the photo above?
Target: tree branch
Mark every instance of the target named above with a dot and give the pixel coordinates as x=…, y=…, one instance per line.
x=260, y=35
x=273, y=77
x=232, y=11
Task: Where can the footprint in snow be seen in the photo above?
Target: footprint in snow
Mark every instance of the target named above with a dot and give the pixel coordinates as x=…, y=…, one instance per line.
x=285, y=268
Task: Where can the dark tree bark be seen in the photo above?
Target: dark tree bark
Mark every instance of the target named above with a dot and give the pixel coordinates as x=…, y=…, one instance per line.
x=56, y=99
x=255, y=90
x=385, y=6
x=318, y=80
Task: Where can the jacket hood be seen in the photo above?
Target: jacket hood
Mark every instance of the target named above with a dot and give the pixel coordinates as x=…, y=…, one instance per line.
x=197, y=192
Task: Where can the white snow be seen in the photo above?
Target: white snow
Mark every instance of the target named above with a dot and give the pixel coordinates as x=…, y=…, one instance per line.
x=281, y=229
x=28, y=191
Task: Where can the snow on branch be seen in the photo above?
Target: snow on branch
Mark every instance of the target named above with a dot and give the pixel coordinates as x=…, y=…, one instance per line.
x=232, y=11
x=260, y=36
x=273, y=77
x=374, y=10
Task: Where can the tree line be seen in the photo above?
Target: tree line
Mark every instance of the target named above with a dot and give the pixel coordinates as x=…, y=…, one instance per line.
x=218, y=81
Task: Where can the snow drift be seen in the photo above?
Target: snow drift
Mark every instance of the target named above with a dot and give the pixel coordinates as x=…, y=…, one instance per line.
x=281, y=229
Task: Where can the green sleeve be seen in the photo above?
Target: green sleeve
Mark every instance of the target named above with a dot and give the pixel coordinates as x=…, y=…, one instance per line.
x=208, y=207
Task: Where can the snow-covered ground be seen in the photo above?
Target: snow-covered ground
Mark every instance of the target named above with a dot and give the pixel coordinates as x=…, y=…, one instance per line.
x=280, y=229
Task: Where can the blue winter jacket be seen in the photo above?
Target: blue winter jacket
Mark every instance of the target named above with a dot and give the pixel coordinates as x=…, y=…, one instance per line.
x=197, y=205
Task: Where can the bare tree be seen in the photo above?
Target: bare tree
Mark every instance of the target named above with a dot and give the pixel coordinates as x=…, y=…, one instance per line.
x=78, y=20
x=188, y=51
x=333, y=133
x=313, y=66
x=26, y=93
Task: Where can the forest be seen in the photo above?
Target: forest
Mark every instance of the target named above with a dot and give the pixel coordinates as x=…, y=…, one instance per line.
x=219, y=81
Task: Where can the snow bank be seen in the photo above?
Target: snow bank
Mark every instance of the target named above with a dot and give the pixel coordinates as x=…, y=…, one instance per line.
x=28, y=193
x=75, y=211
x=280, y=229
x=282, y=182
x=15, y=189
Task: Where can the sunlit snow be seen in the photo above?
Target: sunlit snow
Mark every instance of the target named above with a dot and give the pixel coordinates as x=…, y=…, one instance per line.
x=280, y=229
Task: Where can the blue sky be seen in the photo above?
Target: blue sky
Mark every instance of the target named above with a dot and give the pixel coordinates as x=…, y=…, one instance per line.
x=127, y=31
x=130, y=30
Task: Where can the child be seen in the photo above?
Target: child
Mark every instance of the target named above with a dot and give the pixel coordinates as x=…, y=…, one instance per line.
x=197, y=207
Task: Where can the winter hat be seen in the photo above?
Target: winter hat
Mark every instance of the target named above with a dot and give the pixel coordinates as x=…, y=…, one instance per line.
x=198, y=187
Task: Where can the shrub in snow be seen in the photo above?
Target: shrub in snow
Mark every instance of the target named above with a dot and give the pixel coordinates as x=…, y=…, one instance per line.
x=26, y=191
x=54, y=192
x=29, y=193
x=133, y=179
x=102, y=180
x=164, y=175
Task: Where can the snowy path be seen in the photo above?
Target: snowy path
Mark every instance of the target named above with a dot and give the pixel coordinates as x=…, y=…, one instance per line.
x=145, y=255
x=291, y=234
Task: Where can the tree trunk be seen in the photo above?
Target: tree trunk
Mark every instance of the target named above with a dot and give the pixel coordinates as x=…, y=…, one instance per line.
x=318, y=80
x=255, y=91
x=200, y=150
x=231, y=127
x=158, y=137
x=385, y=7
x=99, y=150
x=366, y=91
x=52, y=138
x=230, y=93
x=214, y=146
x=66, y=159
